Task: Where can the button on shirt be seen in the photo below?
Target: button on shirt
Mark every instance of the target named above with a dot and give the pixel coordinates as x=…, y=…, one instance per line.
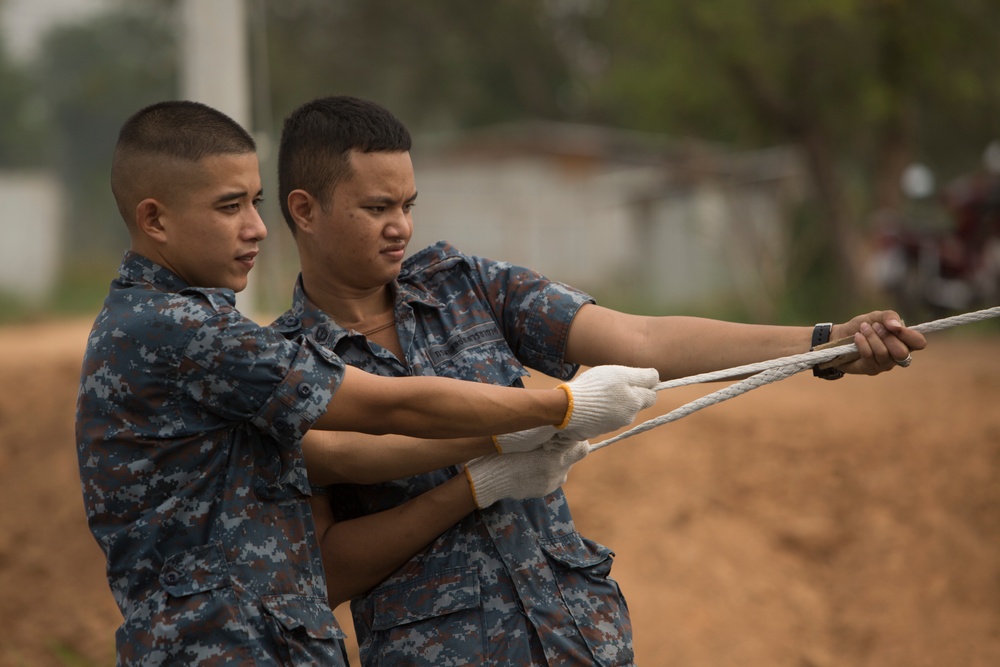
x=189, y=420
x=514, y=584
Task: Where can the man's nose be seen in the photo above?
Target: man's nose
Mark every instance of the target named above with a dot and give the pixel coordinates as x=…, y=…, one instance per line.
x=400, y=226
x=256, y=229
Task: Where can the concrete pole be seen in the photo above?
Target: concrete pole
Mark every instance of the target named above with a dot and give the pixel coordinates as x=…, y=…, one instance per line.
x=215, y=70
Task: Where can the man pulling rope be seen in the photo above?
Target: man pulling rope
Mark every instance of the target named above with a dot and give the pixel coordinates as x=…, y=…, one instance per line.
x=822, y=356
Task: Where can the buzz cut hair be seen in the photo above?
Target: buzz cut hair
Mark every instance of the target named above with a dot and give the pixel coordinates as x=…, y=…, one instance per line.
x=177, y=129
x=317, y=138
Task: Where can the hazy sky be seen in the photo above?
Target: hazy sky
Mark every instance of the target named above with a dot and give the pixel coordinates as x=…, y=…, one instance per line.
x=24, y=21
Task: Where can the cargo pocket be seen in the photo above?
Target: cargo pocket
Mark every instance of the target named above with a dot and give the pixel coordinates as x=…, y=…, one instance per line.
x=592, y=597
x=304, y=629
x=432, y=621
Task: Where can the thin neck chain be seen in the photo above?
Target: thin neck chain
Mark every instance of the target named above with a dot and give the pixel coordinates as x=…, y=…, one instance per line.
x=381, y=327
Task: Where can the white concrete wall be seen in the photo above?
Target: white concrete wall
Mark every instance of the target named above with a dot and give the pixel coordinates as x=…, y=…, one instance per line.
x=689, y=244
x=31, y=214
x=573, y=226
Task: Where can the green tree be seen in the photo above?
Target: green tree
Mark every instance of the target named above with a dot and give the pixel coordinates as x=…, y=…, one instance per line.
x=861, y=86
x=23, y=139
x=439, y=64
x=91, y=77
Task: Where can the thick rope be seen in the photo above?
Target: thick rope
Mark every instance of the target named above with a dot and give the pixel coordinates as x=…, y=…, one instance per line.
x=766, y=372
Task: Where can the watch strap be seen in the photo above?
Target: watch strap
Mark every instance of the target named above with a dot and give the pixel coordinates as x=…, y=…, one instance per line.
x=821, y=335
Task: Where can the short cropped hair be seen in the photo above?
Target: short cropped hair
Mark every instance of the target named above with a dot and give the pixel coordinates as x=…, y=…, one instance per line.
x=179, y=130
x=316, y=140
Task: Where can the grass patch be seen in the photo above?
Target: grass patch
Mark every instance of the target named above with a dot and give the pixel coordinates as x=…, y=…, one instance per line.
x=79, y=291
x=69, y=657
x=82, y=288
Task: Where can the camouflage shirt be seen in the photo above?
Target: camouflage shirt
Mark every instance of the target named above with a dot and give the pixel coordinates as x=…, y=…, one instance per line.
x=189, y=420
x=514, y=584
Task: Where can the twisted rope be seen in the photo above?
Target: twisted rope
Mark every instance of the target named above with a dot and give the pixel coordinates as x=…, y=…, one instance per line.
x=766, y=372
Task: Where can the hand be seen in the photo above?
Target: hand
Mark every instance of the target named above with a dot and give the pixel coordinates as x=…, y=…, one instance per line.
x=601, y=399
x=531, y=474
x=882, y=339
x=547, y=437
x=607, y=397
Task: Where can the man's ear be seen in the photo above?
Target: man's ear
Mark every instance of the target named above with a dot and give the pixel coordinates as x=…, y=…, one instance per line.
x=149, y=220
x=303, y=208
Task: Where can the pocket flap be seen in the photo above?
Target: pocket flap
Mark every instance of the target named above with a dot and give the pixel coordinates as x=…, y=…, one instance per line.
x=574, y=551
x=437, y=594
x=195, y=570
x=310, y=614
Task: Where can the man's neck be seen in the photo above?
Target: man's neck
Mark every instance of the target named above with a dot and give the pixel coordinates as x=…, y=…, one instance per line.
x=349, y=307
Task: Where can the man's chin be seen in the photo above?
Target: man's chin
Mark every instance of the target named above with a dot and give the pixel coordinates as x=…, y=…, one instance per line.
x=237, y=284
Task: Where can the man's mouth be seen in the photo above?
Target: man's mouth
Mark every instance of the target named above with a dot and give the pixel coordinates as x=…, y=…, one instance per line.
x=248, y=258
x=395, y=251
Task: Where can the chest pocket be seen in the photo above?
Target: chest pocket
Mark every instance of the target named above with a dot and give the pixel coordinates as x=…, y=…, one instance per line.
x=421, y=621
x=304, y=630
x=594, y=600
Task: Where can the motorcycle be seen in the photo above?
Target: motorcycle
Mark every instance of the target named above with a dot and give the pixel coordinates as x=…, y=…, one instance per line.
x=941, y=256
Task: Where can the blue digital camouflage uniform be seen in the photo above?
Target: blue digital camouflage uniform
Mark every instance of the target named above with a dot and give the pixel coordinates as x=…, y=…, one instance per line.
x=189, y=420
x=514, y=584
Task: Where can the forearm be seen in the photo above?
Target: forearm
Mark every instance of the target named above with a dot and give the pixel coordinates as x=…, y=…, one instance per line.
x=334, y=457
x=677, y=346
x=360, y=553
x=434, y=407
x=698, y=345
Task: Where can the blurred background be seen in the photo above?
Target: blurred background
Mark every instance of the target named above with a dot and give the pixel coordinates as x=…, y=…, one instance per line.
x=768, y=160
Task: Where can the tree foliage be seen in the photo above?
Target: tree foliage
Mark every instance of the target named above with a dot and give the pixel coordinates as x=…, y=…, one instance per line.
x=438, y=64
x=91, y=77
x=861, y=86
x=23, y=137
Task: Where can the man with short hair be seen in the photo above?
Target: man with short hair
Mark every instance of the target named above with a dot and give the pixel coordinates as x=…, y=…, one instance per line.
x=435, y=579
x=190, y=417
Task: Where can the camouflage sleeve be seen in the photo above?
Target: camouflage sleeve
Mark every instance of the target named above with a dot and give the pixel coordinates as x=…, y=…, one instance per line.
x=245, y=372
x=535, y=313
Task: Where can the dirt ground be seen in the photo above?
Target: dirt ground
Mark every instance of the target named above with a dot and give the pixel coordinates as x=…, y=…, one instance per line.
x=806, y=524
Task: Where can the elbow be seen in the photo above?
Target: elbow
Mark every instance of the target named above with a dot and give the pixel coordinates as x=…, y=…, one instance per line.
x=336, y=597
x=339, y=588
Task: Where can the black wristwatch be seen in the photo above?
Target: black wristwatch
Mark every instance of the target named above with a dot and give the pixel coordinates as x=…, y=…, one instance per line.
x=821, y=334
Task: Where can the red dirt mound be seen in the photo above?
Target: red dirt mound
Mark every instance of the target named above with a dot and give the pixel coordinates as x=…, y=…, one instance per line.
x=806, y=524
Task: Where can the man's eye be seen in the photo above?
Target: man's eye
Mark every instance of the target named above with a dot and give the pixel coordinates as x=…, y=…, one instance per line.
x=409, y=207
x=257, y=202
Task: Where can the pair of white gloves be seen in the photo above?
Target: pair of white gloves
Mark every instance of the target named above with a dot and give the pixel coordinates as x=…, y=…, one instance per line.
x=535, y=462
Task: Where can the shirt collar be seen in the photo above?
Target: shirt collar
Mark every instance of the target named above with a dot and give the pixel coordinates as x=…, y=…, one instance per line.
x=306, y=316
x=136, y=268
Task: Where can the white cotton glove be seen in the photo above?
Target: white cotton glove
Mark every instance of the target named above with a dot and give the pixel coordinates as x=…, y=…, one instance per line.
x=523, y=475
x=602, y=399
x=607, y=397
x=523, y=441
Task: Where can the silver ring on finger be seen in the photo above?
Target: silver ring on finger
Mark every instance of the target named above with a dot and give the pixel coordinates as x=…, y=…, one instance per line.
x=904, y=362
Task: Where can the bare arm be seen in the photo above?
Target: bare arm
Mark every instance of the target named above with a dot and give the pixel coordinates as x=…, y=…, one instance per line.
x=436, y=407
x=680, y=346
x=360, y=553
x=334, y=457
